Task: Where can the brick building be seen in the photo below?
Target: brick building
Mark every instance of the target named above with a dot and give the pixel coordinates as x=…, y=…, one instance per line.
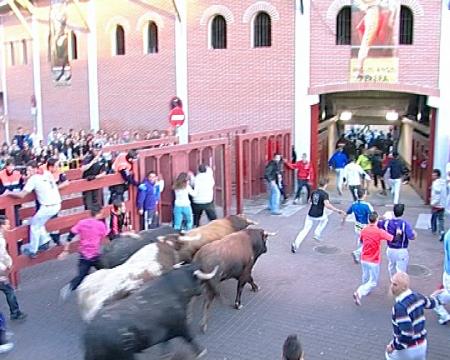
x=268, y=64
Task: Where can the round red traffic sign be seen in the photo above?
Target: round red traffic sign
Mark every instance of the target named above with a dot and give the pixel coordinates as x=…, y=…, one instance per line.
x=176, y=116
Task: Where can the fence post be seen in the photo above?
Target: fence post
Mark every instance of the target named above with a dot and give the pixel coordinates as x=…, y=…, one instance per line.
x=239, y=175
x=227, y=197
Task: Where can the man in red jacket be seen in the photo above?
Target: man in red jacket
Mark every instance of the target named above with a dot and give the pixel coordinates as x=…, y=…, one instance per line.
x=305, y=176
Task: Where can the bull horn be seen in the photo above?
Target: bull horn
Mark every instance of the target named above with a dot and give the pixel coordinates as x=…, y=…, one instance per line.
x=131, y=234
x=180, y=264
x=251, y=222
x=190, y=238
x=270, y=233
x=206, y=276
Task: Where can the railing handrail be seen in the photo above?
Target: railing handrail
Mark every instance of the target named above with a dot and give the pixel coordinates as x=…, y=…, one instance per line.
x=230, y=130
x=182, y=147
x=262, y=134
x=141, y=144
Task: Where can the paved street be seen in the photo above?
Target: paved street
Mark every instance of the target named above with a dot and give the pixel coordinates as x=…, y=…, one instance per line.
x=307, y=293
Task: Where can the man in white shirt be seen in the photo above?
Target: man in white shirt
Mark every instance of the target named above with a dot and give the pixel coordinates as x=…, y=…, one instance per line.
x=353, y=173
x=44, y=185
x=203, y=200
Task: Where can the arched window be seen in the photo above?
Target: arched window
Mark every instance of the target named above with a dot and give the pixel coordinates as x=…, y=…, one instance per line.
x=219, y=32
x=120, y=40
x=152, y=38
x=262, y=30
x=344, y=26
x=73, y=46
x=406, y=26
x=24, y=52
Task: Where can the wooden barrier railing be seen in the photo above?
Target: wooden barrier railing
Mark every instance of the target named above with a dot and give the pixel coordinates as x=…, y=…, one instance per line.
x=75, y=173
x=20, y=235
x=167, y=161
x=254, y=150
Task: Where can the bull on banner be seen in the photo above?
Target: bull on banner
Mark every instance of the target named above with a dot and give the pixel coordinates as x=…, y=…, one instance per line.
x=58, y=43
x=375, y=27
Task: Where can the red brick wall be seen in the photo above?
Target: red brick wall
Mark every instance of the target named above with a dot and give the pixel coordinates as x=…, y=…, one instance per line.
x=418, y=63
x=19, y=78
x=241, y=85
x=134, y=89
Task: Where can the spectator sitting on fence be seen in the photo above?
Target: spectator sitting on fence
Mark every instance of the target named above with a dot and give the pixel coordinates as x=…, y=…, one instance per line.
x=5, y=266
x=94, y=166
x=149, y=195
x=11, y=180
x=292, y=348
x=44, y=185
x=203, y=199
x=119, y=219
x=91, y=232
x=123, y=165
x=182, y=210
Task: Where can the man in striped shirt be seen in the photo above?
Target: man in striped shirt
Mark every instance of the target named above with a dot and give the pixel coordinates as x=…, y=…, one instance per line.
x=408, y=320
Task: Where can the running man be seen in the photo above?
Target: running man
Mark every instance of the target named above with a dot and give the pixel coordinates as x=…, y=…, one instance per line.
x=371, y=237
x=362, y=210
x=317, y=213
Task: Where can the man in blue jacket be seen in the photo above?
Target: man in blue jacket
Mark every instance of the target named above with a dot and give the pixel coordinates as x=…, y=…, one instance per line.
x=338, y=162
x=149, y=194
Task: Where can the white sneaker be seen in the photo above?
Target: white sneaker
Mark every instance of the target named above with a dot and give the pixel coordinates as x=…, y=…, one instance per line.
x=6, y=347
x=65, y=292
x=444, y=321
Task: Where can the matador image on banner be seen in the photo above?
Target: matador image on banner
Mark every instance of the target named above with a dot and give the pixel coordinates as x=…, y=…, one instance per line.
x=58, y=43
x=374, y=55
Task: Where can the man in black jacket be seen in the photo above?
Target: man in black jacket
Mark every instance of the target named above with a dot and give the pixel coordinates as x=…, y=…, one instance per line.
x=396, y=170
x=271, y=175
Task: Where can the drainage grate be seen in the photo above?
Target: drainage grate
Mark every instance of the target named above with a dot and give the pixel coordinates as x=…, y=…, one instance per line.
x=327, y=250
x=418, y=270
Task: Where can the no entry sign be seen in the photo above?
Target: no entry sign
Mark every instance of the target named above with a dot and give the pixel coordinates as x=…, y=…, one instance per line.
x=176, y=116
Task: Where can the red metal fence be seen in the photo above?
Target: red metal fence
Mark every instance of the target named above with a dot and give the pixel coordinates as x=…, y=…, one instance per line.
x=169, y=162
x=253, y=151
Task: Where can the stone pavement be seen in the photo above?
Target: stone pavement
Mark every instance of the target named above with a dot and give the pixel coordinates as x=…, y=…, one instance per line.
x=308, y=293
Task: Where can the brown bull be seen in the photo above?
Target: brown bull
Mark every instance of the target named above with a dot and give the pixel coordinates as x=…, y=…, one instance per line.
x=189, y=243
x=235, y=255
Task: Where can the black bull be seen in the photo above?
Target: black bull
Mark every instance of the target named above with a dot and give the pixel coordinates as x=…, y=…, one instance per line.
x=155, y=314
x=122, y=248
x=234, y=255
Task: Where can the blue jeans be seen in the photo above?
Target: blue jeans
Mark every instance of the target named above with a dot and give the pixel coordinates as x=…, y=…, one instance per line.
x=274, y=196
x=181, y=213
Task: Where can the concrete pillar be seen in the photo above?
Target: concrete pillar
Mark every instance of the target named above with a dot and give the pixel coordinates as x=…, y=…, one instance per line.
x=181, y=64
x=442, y=105
x=37, y=77
x=4, y=84
x=94, y=116
x=303, y=101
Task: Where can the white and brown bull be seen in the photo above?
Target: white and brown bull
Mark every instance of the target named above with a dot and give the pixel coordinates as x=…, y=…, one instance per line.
x=106, y=286
x=234, y=255
x=190, y=242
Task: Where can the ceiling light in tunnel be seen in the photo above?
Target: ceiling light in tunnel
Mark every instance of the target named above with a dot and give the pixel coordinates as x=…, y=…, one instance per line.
x=419, y=116
x=345, y=116
x=392, y=116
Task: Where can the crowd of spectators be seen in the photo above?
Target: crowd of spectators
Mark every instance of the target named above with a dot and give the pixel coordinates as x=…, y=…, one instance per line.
x=66, y=145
